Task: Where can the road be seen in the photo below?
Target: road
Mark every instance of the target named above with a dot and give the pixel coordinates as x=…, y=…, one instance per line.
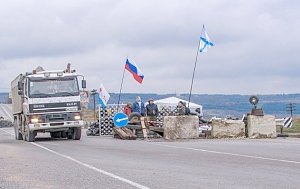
x=104, y=162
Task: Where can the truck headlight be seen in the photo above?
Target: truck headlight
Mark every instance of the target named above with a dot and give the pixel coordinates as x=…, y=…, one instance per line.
x=77, y=117
x=34, y=120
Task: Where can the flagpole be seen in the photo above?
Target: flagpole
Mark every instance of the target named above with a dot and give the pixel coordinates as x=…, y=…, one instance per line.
x=121, y=89
x=99, y=115
x=193, y=75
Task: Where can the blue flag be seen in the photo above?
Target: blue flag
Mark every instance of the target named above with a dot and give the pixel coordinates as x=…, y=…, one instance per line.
x=103, y=96
x=205, y=42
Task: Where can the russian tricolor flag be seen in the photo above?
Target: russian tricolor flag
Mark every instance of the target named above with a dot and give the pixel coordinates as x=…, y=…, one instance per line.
x=134, y=70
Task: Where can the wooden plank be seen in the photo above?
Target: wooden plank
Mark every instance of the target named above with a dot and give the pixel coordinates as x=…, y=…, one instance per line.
x=144, y=129
x=129, y=133
x=120, y=133
x=158, y=129
x=124, y=133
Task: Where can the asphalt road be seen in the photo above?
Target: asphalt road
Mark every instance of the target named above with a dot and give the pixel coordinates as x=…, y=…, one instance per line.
x=104, y=162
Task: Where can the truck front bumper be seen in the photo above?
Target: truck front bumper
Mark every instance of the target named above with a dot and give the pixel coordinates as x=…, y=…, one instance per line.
x=55, y=125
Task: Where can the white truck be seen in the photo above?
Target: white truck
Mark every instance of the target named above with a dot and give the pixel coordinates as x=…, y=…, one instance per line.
x=47, y=101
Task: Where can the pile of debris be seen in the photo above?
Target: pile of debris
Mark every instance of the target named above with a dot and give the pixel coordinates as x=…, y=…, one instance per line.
x=93, y=129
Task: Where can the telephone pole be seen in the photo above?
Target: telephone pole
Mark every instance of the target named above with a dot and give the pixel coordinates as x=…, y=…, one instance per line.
x=291, y=108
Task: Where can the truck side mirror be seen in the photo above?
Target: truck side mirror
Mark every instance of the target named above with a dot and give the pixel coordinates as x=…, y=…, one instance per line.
x=83, y=84
x=20, y=85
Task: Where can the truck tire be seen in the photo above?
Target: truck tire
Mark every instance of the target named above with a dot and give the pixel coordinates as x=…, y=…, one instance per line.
x=63, y=134
x=30, y=135
x=53, y=134
x=77, y=133
x=18, y=135
x=69, y=135
x=134, y=117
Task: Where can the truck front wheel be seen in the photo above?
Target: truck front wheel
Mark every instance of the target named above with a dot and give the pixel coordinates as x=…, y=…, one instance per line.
x=76, y=133
x=30, y=135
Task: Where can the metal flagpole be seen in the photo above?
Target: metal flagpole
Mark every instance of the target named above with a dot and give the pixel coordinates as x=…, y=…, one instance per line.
x=193, y=75
x=99, y=115
x=121, y=89
x=195, y=69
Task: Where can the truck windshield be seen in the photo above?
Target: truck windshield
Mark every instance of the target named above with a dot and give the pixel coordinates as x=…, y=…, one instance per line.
x=54, y=87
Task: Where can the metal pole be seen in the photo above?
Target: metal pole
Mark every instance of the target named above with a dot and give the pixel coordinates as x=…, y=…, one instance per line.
x=99, y=120
x=94, y=92
x=94, y=108
x=194, y=74
x=121, y=89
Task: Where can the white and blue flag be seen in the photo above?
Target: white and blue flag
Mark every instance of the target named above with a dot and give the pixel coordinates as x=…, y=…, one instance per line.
x=205, y=42
x=103, y=96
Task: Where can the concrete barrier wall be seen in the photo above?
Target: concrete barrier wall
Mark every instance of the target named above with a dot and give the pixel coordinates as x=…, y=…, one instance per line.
x=261, y=126
x=181, y=127
x=227, y=128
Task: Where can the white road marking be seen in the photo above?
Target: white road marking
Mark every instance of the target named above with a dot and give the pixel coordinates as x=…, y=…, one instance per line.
x=230, y=154
x=87, y=165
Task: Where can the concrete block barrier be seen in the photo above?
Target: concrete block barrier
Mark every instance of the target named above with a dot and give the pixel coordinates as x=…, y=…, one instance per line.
x=181, y=127
x=227, y=128
x=261, y=126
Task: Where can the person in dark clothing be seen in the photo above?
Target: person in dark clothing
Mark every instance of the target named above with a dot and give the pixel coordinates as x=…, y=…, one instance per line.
x=182, y=109
x=138, y=106
x=151, y=110
x=187, y=109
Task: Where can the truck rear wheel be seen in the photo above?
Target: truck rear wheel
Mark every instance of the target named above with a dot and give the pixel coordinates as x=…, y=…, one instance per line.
x=76, y=133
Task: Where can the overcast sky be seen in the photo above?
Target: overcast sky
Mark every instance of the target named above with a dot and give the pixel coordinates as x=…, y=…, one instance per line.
x=257, y=43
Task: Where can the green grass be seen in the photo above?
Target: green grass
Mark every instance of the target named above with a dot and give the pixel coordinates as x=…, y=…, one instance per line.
x=294, y=129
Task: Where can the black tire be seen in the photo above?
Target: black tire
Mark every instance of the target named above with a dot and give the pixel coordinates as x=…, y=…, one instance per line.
x=52, y=134
x=18, y=135
x=76, y=133
x=63, y=134
x=134, y=117
x=69, y=135
x=88, y=133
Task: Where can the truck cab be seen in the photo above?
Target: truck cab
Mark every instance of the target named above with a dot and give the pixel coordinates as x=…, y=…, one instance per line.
x=47, y=101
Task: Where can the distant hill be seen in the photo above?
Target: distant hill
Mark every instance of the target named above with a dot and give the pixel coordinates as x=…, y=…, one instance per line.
x=224, y=105
x=3, y=98
x=215, y=105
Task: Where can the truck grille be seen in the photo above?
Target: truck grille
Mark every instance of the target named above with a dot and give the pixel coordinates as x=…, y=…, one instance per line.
x=57, y=120
x=56, y=124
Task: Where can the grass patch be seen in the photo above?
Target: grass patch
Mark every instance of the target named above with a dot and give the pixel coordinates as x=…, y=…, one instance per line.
x=294, y=129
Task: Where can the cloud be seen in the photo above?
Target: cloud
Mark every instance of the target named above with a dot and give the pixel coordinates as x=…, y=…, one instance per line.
x=255, y=52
